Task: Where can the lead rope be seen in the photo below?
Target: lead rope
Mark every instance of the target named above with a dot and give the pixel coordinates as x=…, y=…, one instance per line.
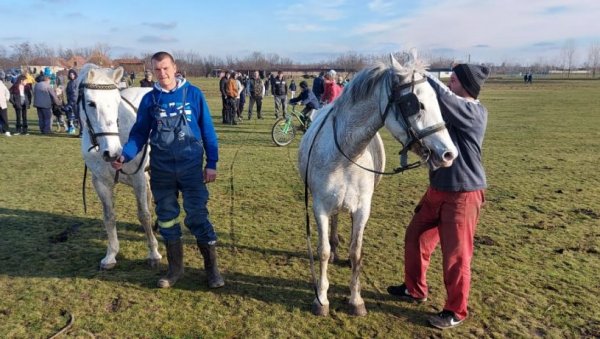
x=145, y=145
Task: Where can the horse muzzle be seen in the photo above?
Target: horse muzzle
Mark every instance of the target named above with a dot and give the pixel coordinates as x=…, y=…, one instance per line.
x=108, y=158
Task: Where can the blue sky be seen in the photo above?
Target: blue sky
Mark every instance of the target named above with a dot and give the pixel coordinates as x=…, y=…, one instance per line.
x=524, y=31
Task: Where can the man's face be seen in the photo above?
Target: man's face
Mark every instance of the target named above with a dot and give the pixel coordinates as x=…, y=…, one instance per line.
x=255, y=75
x=165, y=73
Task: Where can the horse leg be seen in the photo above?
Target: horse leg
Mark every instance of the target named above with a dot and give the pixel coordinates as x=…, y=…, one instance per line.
x=334, y=239
x=105, y=193
x=320, y=305
x=359, y=220
x=143, y=198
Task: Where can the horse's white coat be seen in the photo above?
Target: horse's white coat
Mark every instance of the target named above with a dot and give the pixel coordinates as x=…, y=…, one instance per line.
x=338, y=185
x=109, y=111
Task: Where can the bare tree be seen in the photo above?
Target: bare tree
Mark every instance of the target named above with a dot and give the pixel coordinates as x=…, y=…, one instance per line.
x=568, y=55
x=594, y=57
x=350, y=62
x=23, y=53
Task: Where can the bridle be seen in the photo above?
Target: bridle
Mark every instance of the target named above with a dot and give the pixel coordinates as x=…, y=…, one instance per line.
x=94, y=135
x=408, y=105
x=81, y=100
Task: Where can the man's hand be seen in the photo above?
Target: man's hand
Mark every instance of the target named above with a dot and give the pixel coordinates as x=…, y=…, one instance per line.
x=118, y=164
x=210, y=175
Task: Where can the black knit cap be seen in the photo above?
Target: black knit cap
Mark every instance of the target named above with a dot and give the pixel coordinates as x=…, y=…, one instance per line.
x=471, y=77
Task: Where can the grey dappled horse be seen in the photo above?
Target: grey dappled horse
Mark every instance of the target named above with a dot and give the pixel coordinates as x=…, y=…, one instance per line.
x=395, y=96
x=107, y=116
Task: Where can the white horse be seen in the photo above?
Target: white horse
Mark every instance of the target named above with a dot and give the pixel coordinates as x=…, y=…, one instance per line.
x=344, y=137
x=107, y=116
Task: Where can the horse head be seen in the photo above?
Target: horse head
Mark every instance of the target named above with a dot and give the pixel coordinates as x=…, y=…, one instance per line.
x=415, y=118
x=99, y=101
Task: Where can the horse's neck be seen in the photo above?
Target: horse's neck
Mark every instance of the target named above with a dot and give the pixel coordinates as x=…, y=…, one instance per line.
x=356, y=129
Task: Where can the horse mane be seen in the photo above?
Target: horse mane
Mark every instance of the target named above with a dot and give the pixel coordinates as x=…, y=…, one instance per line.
x=366, y=81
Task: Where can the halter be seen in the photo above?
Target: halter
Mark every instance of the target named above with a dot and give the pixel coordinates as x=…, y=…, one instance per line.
x=81, y=99
x=94, y=135
x=408, y=105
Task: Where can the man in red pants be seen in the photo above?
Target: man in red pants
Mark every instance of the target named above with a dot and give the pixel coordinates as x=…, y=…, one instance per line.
x=449, y=210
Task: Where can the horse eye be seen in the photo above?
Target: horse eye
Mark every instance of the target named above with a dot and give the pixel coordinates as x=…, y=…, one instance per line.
x=92, y=104
x=422, y=106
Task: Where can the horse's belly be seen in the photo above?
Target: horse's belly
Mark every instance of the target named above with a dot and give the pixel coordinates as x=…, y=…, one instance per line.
x=347, y=194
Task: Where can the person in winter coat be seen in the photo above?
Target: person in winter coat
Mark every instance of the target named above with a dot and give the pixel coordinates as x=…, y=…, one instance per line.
x=332, y=89
x=72, y=108
x=20, y=97
x=319, y=86
x=175, y=118
x=449, y=211
x=308, y=99
x=292, y=89
x=256, y=90
x=147, y=81
x=4, y=98
x=44, y=97
x=279, y=90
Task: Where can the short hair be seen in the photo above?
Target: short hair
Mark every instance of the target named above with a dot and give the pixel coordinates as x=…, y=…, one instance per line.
x=160, y=56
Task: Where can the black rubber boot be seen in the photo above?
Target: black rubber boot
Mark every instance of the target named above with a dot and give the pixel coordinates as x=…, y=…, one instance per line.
x=175, y=259
x=209, y=253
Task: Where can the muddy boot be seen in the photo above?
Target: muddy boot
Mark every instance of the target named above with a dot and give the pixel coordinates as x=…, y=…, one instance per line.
x=175, y=259
x=209, y=253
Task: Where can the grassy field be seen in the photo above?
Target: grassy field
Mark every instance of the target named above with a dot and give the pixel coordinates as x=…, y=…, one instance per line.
x=535, y=270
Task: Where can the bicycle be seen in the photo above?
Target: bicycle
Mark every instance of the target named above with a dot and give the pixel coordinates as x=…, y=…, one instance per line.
x=284, y=129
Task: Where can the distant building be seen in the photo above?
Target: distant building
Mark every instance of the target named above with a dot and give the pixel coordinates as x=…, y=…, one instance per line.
x=130, y=65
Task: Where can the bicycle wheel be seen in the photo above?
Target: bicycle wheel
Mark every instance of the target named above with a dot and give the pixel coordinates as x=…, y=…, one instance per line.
x=283, y=132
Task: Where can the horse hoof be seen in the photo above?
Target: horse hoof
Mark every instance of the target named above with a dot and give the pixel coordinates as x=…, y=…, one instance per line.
x=106, y=267
x=358, y=310
x=154, y=263
x=320, y=310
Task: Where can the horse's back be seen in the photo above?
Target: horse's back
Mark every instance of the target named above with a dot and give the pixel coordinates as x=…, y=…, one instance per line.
x=130, y=101
x=134, y=95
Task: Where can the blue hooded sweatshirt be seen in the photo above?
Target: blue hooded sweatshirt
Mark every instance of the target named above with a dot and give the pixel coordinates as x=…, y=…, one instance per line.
x=196, y=111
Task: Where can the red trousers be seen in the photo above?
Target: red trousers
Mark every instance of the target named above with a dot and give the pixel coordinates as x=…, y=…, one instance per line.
x=449, y=218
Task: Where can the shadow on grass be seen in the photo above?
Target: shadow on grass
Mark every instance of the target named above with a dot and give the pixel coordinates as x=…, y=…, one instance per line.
x=42, y=244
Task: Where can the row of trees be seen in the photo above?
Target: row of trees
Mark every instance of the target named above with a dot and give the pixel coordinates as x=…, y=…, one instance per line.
x=197, y=65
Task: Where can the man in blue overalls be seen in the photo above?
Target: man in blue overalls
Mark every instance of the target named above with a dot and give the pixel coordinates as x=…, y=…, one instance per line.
x=175, y=117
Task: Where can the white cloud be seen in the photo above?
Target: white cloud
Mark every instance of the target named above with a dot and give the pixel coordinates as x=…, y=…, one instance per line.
x=465, y=24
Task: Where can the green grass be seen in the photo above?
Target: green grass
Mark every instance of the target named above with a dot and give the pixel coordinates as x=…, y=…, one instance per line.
x=535, y=270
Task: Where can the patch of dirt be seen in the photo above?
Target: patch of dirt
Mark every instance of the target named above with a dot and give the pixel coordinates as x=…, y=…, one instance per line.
x=114, y=305
x=541, y=225
x=591, y=330
x=586, y=211
x=536, y=209
x=64, y=235
x=551, y=288
x=588, y=250
x=484, y=240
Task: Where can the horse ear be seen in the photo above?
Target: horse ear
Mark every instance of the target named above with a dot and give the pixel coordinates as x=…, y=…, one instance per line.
x=394, y=62
x=91, y=74
x=117, y=74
